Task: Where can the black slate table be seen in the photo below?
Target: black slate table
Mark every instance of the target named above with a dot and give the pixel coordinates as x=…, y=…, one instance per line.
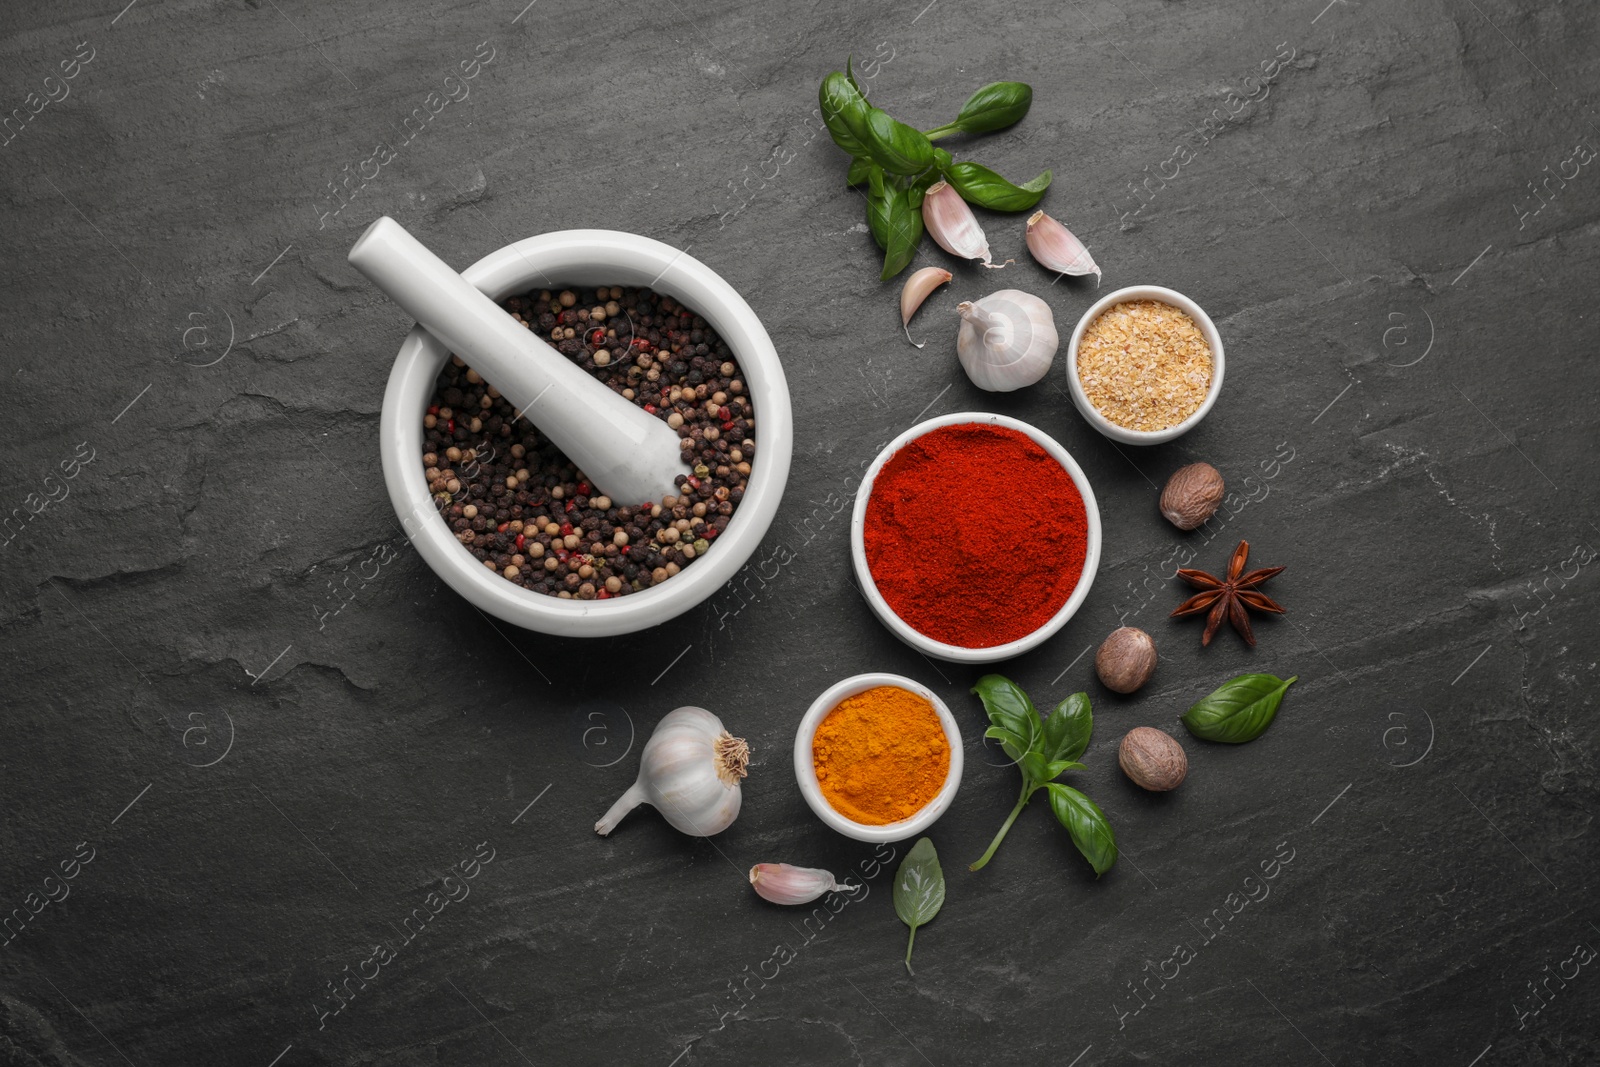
x=222, y=796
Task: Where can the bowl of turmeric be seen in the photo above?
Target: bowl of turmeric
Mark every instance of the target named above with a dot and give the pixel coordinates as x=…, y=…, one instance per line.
x=878, y=757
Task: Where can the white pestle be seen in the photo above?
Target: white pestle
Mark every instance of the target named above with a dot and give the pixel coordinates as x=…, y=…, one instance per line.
x=630, y=455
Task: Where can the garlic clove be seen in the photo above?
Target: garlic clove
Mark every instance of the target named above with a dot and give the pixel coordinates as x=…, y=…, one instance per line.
x=1056, y=248
x=953, y=226
x=915, y=291
x=782, y=883
x=690, y=772
x=1007, y=340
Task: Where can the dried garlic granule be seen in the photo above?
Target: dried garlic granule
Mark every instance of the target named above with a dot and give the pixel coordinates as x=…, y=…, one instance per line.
x=1144, y=365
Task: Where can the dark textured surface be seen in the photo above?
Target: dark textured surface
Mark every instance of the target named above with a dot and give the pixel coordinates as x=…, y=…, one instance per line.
x=299, y=781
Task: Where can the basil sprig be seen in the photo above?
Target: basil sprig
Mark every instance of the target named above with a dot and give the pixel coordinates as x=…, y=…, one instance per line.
x=918, y=890
x=1240, y=711
x=1045, y=748
x=898, y=163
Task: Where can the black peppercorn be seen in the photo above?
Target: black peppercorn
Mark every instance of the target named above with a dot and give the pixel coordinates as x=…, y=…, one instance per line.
x=659, y=354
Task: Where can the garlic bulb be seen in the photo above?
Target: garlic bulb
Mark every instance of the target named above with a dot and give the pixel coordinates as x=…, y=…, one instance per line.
x=953, y=226
x=1007, y=340
x=915, y=291
x=690, y=772
x=782, y=884
x=1055, y=247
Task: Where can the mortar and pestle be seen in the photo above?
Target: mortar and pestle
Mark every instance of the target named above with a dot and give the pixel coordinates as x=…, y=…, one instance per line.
x=626, y=452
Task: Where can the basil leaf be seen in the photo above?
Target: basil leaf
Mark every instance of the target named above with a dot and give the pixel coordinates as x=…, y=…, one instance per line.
x=844, y=111
x=924, y=182
x=859, y=168
x=994, y=107
x=1014, y=746
x=982, y=186
x=942, y=159
x=1067, y=730
x=1087, y=824
x=880, y=201
x=1240, y=711
x=1035, y=767
x=905, y=232
x=918, y=890
x=1008, y=706
x=1054, y=769
x=896, y=147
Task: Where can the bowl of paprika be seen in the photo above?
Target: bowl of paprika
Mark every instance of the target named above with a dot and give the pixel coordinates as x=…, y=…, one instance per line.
x=975, y=537
x=878, y=757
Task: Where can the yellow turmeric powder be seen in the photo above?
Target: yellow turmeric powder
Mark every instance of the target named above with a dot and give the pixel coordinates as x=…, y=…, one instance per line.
x=881, y=755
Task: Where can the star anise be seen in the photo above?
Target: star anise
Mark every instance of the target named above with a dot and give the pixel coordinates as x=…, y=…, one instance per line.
x=1229, y=596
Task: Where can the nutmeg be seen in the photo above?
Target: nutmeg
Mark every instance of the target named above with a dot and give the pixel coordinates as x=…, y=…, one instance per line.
x=1192, y=495
x=1152, y=759
x=1126, y=660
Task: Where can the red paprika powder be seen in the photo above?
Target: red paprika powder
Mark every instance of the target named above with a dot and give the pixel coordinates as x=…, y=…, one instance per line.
x=975, y=535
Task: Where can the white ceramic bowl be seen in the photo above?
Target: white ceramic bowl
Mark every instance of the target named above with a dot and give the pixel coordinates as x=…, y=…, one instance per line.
x=957, y=653
x=591, y=257
x=805, y=769
x=1166, y=296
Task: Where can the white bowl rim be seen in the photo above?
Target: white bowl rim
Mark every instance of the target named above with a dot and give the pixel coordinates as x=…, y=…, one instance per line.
x=805, y=769
x=1110, y=429
x=580, y=257
x=957, y=653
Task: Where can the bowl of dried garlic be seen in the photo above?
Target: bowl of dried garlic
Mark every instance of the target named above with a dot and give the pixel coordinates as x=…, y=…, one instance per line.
x=1145, y=365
